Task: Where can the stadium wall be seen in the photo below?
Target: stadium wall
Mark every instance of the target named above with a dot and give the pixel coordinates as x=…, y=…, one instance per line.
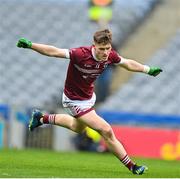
x=146, y=135
x=150, y=142
x=143, y=135
x=14, y=131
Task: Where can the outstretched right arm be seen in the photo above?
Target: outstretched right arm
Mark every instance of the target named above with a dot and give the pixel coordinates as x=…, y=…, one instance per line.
x=43, y=49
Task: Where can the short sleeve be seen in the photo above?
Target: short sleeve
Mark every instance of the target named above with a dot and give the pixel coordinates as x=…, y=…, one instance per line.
x=74, y=54
x=115, y=57
x=67, y=55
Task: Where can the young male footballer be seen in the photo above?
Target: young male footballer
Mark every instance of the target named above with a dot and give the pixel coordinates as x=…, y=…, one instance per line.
x=85, y=65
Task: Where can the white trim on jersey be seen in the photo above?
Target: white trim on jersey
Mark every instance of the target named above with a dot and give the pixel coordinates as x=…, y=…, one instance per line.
x=94, y=55
x=123, y=60
x=66, y=51
x=88, y=71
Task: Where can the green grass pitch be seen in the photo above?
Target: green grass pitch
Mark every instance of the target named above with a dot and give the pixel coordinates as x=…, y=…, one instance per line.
x=48, y=164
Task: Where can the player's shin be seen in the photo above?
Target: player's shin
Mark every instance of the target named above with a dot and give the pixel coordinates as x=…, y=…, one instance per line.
x=118, y=150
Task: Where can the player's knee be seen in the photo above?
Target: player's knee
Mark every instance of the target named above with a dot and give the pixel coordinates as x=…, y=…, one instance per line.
x=106, y=132
x=77, y=128
x=74, y=127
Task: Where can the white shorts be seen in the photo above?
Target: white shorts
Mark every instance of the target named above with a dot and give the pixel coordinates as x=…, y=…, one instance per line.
x=78, y=108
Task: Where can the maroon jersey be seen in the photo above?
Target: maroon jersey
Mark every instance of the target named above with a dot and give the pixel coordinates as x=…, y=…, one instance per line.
x=83, y=70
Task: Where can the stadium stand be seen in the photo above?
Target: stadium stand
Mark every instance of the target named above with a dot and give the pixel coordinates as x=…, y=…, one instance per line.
x=144, y=99
x=33, y=80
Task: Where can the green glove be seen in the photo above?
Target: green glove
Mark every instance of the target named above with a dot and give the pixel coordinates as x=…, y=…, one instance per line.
x=154, y=71
x=24, y=43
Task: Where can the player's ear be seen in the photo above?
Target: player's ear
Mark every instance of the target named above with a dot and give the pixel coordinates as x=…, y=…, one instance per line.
x=94, y=45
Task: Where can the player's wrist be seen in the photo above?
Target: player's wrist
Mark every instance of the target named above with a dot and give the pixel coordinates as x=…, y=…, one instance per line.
x=146, y=69
x=29, y=44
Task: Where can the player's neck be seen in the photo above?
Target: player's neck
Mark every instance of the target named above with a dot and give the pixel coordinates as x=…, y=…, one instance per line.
x=94, y=54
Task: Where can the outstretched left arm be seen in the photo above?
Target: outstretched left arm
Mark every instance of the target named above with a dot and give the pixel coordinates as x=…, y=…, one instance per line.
x=132, y=65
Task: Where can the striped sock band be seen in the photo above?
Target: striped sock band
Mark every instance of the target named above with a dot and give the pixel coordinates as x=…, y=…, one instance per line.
x=49, y=119
x=127, y=162
x=52, y=118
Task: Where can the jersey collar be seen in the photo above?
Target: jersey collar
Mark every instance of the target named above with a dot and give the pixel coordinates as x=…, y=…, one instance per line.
x=93, y=54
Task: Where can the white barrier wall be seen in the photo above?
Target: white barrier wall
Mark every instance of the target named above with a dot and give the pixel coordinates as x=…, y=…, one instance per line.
x=62, y=140
x=17, y=134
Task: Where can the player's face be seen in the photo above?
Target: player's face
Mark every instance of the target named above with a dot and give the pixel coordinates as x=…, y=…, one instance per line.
x=102, y=51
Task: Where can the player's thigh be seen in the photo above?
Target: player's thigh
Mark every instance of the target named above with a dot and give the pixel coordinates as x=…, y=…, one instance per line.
x=94, y=121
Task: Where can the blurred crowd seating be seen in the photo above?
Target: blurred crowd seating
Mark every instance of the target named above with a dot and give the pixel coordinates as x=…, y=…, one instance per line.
x=30, y=79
